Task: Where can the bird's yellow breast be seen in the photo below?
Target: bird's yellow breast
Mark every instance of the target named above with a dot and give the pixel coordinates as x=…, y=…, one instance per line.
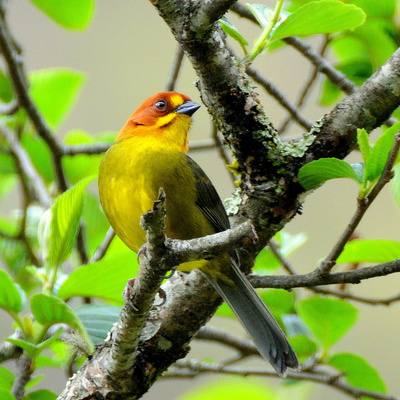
x=130, y=176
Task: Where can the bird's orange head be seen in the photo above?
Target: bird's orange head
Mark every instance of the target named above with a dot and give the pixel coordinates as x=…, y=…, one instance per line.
x=164, y=117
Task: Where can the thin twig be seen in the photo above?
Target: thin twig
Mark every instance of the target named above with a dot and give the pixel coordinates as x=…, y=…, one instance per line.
x=176, y=67
x=275, y=92
x=104, y=245
x=306, y=91
x=100, y=148
x=315, y=278
x=277, y=253
x=190, y=368
x=9, y=108
x=26, y=166
x=17, y=75
x=243, y=346
x=219, y=145
x=363, y=205
x=348, y=296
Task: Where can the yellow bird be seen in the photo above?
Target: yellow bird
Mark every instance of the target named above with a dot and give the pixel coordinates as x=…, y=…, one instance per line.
x=149, y=153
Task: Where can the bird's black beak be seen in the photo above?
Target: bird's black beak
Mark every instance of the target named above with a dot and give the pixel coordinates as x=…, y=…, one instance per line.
x=188, y=108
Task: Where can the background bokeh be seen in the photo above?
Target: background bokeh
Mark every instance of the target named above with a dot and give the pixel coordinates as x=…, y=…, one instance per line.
x=126, y=55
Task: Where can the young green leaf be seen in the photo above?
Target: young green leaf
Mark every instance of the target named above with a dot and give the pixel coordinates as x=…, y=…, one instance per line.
x=6, y=378
x=263, y=14
x=323, y=16
x=327, y=319
x=49, y=310
x=29, y=347
x=358, y=373
x=41, y=394
x=369, y=250
x=363, y=144
x=35, y=145
x=70, y=14
x=303, y=346
x=315, y=173
x=379, y=153
x=381, y=8
x=98, y=320
x=80, y=166
x=54, y=91
x=6, y=90
x=6, y=395
x=395, y=184
x=65, y=214
x=11, y=299
x=93, y=280
x=232, y=31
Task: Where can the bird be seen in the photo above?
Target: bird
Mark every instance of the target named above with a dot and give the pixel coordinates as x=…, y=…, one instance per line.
x=149, y=153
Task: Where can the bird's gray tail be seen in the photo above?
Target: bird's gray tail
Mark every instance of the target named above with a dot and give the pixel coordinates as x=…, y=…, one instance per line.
x=267, y=335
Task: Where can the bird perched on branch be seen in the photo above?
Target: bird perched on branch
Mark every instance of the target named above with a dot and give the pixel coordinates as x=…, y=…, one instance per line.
x=150, y=153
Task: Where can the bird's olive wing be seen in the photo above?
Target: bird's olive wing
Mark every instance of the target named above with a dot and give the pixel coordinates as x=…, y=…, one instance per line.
x=208, y=199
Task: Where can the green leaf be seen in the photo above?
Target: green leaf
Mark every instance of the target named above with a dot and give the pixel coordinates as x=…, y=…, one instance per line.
x=35, y=145
x=93, y=280
x=232, y=31
x=49, y=310
x=327, y=319
x=6, y=395
x=266, y=261
x=363, y=144
x=98, y=320
x=303, y=346
x=381, y=8
x=395, y=184
x=70, y=14
x=315, y=173
x=324, y=16
x=7, y=182
x=65, y=214
x=329, y=94
x=369, y=250
x=82, y=165
x=96, y=223
x=34, y=381
x=6, y=379
x=6, y=90
x=42, y=394
x=10, y=297
x=358, y=372
x=288, y=243
x=232, y=389
x=279, y=301
x=378, y=43
x=263, y=14
x=29, y=347
x=380, y=152
x=54, y=91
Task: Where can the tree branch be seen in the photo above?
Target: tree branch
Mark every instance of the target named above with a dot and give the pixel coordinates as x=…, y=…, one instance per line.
x=316, y=279
x=191, y=368
x=14, y=64
x=363, y=205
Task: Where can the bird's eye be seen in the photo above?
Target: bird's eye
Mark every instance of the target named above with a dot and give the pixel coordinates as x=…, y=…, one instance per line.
x=161, y=105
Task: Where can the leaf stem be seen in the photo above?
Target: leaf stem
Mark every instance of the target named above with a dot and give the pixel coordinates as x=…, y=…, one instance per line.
x=262, y=41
